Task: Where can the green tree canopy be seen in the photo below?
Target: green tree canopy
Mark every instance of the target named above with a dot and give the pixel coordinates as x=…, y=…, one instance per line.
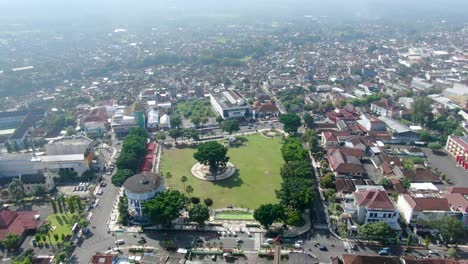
x=127, y=161
x=328, y=180
x=16, y=189
x=376, y=231
x=199, y=213
x=422, y=111
x=291, y=122
x=434, y=146
x=267, y=214
x=308, y=120
x=10, y=241
x=296, y=193
x=212, y=154
x=297, y=169
x=176, y=122
x=450, y=228
x=120, y=176
x=175, y=133
x=165, y=207
x=230, y=126
x=292, y=150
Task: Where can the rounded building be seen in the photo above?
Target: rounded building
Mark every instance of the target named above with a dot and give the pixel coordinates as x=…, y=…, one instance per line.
x=140, y=188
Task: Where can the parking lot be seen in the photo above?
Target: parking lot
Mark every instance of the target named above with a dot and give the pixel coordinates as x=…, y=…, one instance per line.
x=447, y=165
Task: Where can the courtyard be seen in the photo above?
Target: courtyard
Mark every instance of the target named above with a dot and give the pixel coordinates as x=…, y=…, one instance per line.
x=258, y=164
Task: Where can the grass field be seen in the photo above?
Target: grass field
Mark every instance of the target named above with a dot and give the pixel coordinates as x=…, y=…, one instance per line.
x=234, y=216
x=258, y=166
x=60, y=224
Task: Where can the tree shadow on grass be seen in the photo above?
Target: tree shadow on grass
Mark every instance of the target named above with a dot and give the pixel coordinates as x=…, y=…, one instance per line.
x=66, y=219
x=232, y=182
x=59, y=220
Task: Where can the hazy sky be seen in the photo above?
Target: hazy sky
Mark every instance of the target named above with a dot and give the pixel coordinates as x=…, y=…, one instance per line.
x=58, y=9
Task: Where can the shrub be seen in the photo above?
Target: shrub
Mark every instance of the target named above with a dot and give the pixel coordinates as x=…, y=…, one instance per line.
x=195, y=200
x=208, y=202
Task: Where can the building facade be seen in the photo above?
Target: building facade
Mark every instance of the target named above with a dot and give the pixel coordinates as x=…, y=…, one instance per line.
x=230, y=104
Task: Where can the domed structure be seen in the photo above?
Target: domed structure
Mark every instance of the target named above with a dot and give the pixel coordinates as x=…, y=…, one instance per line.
x=140, y=188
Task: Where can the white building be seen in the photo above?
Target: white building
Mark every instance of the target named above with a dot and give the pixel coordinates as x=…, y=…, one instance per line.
x=230, y=104
x=153, y=120
x=140, y=188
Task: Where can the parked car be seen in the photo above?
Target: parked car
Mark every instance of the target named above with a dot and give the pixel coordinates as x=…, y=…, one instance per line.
x=384, y=251
x=119, y=242
x=239, y=241
x=323, y=248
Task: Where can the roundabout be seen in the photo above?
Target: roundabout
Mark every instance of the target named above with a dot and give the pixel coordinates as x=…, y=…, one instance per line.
x=202, y=172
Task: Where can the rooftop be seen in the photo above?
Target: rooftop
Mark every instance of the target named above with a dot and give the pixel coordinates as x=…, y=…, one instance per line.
x=143, y=182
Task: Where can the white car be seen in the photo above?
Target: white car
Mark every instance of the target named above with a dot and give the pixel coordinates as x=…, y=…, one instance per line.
x=434, y=252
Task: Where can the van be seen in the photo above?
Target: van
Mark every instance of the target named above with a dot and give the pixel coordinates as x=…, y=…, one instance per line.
x=119, y=242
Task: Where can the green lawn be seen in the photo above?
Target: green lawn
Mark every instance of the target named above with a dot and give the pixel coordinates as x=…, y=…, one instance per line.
x=258, y=166
x=62, y=224
x=234, y=216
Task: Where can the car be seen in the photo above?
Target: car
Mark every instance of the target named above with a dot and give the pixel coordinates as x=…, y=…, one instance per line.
x=103, y=184
x=199, y=240
x=384, y=251
x=142, y=240
x=433, y=252
x=323, y=248
x=119, y=242
x=239, y=241
x=269, y=240
x=300, y=242
x=248, y=233
x=213, y=257
x=223, y=234
x=234, y=234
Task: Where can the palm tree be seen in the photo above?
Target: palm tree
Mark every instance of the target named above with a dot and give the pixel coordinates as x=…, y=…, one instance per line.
x=189, y=189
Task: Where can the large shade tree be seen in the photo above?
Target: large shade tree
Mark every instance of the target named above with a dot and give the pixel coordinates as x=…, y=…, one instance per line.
x=199, y=213
x=291, y=122
x=450, y=228
x=212, y=154
x=165, y=207
x=296, y=193
x=297, y=169
x=267, y=214
x=376, y=231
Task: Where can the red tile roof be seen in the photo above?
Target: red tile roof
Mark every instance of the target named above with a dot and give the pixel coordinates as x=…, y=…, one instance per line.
x=458, y=202
x=103, y=259
x=427, y=204
x=460, y=190
x=17, y=222
x=422, y=175
x=374, y=200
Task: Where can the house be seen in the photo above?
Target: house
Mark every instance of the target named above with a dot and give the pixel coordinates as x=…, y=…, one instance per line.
x=374, y=205
x=230, y=104
x=458, y=200
x=457, y=146
x=346, y=161
x=347, y=113
x=419, y=211
x=100, y=258
x=261, y=110
x=333, y=138
x=95, y=123
x=20, y=223
x=384, y=107
x=371, y=123
x=412, y=260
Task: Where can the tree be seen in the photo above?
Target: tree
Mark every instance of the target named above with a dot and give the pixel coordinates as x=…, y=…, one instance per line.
x=189, y=189
x=376, y=231
x=10, y=241
x=56, y=237
x=308, y=120
x=140, y=132
x=71, y=204
x=328, y=181
x=87, y=175
x=219, y=120
x=293, y=218
x=230, y=126
x=386, y=183
x=406, y=183
x=176, y=122
x=39, y=191
x=127, y=160
x=292, y=150
x=330, y=195
x=16, y=189
x=196, y=120
x=164, y=207
x=452, y=252
x=208, y=202
x=27, y=257
x=450, y=229
x=422, y=111
x=434, y=146
x=199, y=213
x=120, y=176
x=267, y=214
x=191, y=133
x=296, y=193
x=409, y=240
x=427, y=241
x=296, y=169
x=195, y=200
x=175, y=134
x=70, y=131
x=291, y=122
x=183, y=179
x=212, y=154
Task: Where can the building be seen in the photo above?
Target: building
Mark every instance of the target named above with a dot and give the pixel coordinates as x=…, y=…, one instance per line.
x=346, y=162
x=364, y=259
x=140, y=188
x=458, y=200
x=400, y=133
x=373, y=205
x=20, y=223
x=459, y=94
x=95, y=123
x=152, y=124
x=262, y=110
x=70, y=145
x=458, y=147
x=230, y=104
x=31, y=180
x=419, y=211
x=384, y=107
x=371, y=123
x=100, y=258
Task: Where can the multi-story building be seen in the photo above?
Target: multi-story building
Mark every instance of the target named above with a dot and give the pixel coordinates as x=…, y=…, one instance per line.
x=230, y=104
x=458, y=147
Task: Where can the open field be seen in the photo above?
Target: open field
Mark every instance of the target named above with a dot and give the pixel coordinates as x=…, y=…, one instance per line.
x=258, y=165
x=60, y=224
